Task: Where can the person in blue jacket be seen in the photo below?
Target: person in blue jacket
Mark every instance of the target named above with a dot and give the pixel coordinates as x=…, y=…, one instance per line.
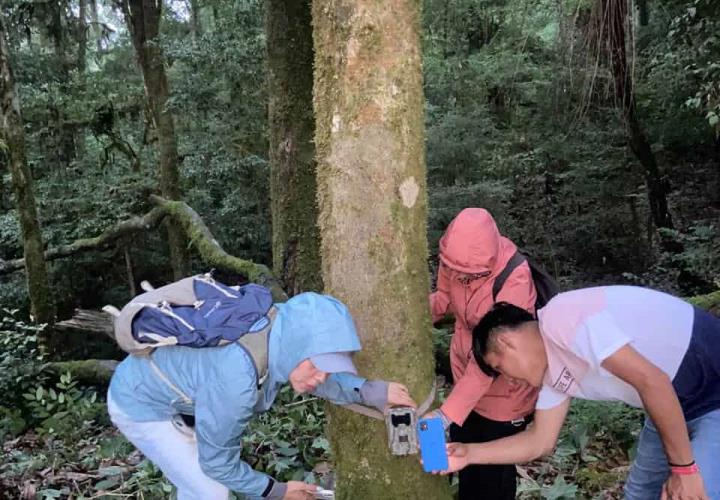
x=310, y=345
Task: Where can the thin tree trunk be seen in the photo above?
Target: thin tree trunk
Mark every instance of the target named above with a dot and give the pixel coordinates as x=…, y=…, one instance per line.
x=81, y=66
x=143, y=19
x=62, y=149
x=643, y=12
x=195, y=24
x=296, y=245
x=373, y=206
x=129, y=270
x=614, y=15
x=3, y=169
x=13, y=134
x=97, y=29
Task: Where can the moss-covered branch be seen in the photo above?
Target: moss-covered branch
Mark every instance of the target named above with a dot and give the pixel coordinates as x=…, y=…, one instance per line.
x=197, y=232
x=210, y=250
x=89, y=371
x=104, y=240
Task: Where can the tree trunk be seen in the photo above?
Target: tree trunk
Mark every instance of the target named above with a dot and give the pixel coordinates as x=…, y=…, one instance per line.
x=61, y=149
x=13, y=135
x=195, y=24
x=81, y=66
x=97, y=29
x=143, y=19
x=296, y=246
x=643, y=12
x=614, y=14
x=373, y=205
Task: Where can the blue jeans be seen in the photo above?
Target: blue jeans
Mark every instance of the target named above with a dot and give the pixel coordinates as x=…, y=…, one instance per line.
x=650, y=469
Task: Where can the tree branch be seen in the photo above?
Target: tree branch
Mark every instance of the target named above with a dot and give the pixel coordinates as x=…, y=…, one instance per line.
x=105, y=239
x=197, y=232
x=210, y=250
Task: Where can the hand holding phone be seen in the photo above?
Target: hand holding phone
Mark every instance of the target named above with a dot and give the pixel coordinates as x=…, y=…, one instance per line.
x=325, y=494
x=431, y=435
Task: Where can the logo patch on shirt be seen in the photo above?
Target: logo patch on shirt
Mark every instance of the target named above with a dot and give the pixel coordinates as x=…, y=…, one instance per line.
x=564, y=381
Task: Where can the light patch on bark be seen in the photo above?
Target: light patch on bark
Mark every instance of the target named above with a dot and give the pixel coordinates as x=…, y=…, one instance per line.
x=362, y=195
x=335, y=123
x=409, y=191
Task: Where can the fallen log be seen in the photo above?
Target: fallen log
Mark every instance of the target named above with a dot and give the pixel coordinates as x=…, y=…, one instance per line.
x=88, y=320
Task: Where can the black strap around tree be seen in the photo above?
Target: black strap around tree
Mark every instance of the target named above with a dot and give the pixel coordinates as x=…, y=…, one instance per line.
x=512, y=264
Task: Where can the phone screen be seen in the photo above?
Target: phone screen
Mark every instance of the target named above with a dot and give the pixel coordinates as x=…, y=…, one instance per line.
x=431, y=435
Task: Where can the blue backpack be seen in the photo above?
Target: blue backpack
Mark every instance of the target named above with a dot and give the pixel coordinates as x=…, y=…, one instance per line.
x=194, y=312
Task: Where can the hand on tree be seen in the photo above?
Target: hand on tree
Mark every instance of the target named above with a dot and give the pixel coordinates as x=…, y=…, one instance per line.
x=297, y=490
x=684, y=487
x=398, y=395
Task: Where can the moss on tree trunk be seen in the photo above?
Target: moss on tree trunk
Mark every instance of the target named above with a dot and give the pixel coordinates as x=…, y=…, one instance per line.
x=143, y=20
x=373, y=206
x=296, y=244
x=13, y=135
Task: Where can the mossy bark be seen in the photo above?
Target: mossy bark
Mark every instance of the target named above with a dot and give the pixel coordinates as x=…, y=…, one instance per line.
x=13, y=135
x=296, y=243
x=143, y=20
x=373, y=206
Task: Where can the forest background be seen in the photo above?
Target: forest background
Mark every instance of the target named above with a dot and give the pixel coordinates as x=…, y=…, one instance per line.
x=598, y=154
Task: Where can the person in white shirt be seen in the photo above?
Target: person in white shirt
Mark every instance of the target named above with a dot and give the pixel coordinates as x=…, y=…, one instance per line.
x=618, y=343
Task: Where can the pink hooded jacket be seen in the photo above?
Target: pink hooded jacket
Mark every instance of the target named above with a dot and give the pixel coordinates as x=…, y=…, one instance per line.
x=472, y=244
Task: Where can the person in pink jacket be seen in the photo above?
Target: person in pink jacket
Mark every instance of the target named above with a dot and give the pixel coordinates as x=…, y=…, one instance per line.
x=479, y=409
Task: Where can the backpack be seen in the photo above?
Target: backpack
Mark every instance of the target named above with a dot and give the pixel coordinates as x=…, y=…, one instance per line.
x=545, y=286
x=197, y=312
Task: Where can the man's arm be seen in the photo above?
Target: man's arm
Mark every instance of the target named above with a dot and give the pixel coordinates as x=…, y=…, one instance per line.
x=538, y=440
x=658, y=397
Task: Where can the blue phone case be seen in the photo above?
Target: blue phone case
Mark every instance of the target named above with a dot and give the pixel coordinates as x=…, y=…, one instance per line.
x=431, y=436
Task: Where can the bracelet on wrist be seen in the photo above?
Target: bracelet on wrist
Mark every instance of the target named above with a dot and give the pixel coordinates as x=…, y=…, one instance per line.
x=681, y=465
x=685, y=470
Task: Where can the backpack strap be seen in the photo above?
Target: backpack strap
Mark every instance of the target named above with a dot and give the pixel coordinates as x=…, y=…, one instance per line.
x=256, y=345
x=378, y=415
x=184, y=397
x=512, y=264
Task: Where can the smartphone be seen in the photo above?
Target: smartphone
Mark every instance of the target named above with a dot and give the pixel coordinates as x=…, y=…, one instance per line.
x=431, y=435
x=325, y=494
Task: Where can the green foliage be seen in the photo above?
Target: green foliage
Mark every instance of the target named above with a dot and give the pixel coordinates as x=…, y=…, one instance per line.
x=591, y=457
x=694, y=28
x=692, y=270
x=287, y=442
x=64, y=409
x=21, y=364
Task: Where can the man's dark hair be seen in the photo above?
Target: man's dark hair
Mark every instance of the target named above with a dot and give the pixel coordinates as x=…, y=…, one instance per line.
x=501, y=317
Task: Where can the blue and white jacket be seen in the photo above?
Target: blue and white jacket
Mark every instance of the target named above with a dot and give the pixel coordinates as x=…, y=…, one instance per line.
x=221, y=382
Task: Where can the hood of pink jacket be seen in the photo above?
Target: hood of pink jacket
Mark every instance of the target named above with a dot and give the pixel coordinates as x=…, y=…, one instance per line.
x=472, y=244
